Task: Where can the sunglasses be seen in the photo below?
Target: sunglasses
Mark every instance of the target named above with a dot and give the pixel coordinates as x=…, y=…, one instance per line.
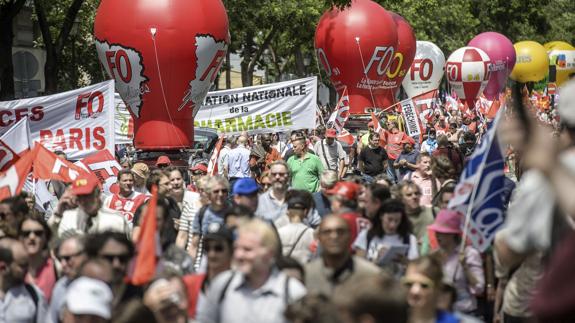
x=408, y=283
x=282, y=174
x=215, y=248
x=68, y=257
x=26, y=233
x=198, y=172
x=121, y=258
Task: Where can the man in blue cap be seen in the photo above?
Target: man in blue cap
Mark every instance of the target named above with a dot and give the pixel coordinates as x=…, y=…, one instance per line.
x=245, y=193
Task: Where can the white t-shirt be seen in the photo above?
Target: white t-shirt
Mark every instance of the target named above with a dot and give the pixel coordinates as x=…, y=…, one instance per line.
x=378, y=243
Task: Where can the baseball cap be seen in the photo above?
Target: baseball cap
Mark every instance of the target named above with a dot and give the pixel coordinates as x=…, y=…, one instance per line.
x=408, y=140
x=245, y=186
x=330, y=133
x=566, y=103
x=88, y=296
x=218, y=231
x=447, y=221
x=347, y=190
x=199, y=167
x=163, y=160
x=141, y=170
x=85, y=184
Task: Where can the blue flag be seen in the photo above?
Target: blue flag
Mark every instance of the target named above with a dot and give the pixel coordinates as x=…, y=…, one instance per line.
x=480, y=189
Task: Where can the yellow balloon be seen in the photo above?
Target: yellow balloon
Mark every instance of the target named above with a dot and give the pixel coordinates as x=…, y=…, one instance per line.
x=532, y=62
x=562, y=55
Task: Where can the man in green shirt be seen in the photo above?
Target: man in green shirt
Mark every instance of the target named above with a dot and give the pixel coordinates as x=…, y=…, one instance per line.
x=305, y=168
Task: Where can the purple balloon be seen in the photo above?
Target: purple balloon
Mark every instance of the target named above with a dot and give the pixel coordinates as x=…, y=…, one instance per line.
x=502, y=54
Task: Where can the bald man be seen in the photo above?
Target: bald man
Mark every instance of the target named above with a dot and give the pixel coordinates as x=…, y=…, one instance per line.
x=334, y=237
x=238, y=162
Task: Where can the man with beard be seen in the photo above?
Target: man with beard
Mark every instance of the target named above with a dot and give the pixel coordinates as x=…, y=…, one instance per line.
x=19, y=302
x=337, y=269
x=406, y=161
x=272, y=204
x=422, y=177
x=262, y=155
x=256, y=291
x=373, y=158
x=127, y=200
x=468, y=144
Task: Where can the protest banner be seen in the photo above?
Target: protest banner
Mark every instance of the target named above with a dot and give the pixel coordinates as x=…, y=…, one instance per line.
x=410, y=115
x=123, y=122
x=78, y=122
x=283, y=106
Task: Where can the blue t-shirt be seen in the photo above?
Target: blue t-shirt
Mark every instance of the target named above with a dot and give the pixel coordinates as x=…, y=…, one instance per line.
x=411, y=158
x=445, y=317
x=210, y=216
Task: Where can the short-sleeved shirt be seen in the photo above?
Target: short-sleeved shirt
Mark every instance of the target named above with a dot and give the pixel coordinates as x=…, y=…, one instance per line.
x=240, y=303
x=18, y=306
x=373, y=160
x=127, y=206
x=420, y=221
x=305, y=172
x=210, y=216
x=333, y=154
x=411, y=158
x=239, y=162
x=377, y=243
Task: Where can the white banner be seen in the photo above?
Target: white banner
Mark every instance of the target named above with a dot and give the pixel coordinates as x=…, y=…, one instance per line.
x=123, y=122
x=411, y=119
x=78, y=122
x=273, y=107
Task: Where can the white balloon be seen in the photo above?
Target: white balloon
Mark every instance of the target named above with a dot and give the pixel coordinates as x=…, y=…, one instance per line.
x=426, y=69
x=468, y=71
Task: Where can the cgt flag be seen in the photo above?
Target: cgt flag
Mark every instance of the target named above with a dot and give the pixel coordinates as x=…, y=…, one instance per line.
x=340, y=114
x=478, y=194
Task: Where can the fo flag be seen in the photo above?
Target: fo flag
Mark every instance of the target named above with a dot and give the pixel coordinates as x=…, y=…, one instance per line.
x=478, y=194
x=340, y=114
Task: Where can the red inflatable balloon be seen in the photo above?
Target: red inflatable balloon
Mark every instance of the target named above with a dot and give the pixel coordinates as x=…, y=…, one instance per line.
x=164, y=56
x=358, y=41
x=406, y=47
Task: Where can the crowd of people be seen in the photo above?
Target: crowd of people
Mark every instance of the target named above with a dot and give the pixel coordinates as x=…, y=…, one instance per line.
x=302, y=230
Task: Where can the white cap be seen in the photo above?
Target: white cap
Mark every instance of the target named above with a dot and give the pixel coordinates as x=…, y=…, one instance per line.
x=88, y=296
x=566, y=103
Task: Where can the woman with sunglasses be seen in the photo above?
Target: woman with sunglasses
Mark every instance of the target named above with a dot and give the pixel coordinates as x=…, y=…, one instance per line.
x=423, y=279
x=219, y=249
x=35, y=234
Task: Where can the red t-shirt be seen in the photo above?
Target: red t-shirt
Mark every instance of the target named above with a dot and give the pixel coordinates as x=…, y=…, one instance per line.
x=45, y=278
x=126, y=205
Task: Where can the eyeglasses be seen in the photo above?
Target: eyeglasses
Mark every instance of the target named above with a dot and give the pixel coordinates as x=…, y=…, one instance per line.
x=215, y=248
x=281, y=174
x=424, y=284
x=221, y=191
x=121, y=258
x=68, y=257
x=26, y=233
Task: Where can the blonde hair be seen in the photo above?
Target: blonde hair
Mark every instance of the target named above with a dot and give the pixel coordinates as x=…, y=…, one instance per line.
x=269, y=238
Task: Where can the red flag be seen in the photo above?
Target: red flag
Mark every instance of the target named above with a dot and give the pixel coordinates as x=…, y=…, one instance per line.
x=104, y=166
x=376, y=126
x=213, y=163
x=48, y=165
x=340, y=114
x=147, y=245
x=345, y=136
x=12, y=181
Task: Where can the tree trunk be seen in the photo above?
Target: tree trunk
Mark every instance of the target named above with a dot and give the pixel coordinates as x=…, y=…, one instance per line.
x=299, y=64
x=54, y=49
x=8, y=11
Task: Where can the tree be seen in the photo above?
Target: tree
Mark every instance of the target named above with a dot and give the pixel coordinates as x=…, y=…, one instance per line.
x=8, y=11
x=55, y=38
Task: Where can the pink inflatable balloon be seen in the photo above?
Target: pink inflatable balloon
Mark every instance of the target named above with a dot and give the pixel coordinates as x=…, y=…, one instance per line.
x=502, y=54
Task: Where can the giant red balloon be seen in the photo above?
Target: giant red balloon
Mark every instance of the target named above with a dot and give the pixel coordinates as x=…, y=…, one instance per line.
x=405, y=53
x=164, y=55
x=363, y=34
